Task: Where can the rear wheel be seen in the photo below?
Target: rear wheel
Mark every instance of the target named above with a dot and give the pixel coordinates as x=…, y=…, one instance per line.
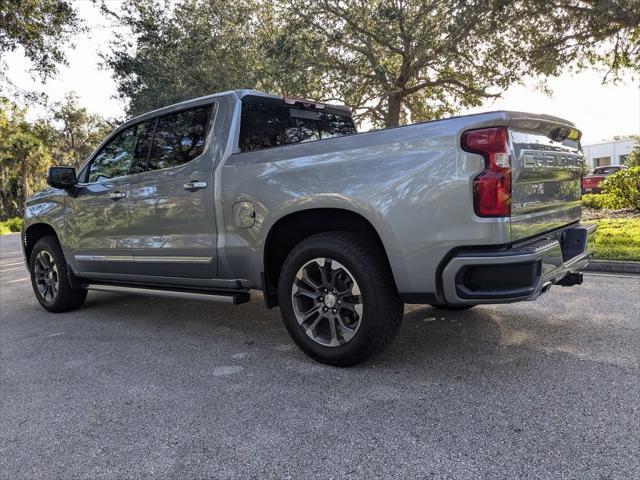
x=338, y=299
x=49, y=278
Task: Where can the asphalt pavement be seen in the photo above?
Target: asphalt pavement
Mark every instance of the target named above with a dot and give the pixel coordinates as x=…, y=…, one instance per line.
x=134, y=387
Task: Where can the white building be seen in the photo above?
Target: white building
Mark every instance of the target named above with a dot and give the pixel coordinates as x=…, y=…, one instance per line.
x=614, y=152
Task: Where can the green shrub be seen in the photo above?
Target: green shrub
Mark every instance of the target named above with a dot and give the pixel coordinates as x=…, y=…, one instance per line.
x=618, y=239
x=633, y=160
x=624, y=186
x=600, y=201
x=14, y=224
x=11, y=225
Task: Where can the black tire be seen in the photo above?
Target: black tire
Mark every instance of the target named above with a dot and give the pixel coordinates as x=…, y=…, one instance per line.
x=452, y=308
x=382, y=308
x=65, y=298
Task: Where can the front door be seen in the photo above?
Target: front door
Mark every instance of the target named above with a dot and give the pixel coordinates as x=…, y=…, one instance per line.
x=172, y=218
x=97, y=219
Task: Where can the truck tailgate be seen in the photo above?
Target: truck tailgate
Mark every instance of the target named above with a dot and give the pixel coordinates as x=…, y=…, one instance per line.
x=546, y=163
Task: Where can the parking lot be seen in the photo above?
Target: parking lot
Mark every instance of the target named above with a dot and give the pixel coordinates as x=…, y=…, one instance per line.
x=140, y=387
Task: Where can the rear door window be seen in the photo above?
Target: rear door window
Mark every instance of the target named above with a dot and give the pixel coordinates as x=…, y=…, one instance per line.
x=143, y=146
x=180, y=137
x=266, y=125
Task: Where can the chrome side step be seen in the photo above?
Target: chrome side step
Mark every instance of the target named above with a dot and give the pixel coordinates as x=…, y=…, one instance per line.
x=231, y=298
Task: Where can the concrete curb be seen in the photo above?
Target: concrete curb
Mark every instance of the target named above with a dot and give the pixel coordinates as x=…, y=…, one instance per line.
x=614, y=266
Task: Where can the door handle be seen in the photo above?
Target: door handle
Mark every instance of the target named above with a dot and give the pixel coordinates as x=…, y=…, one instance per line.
x=116, y=195
x=195, y=185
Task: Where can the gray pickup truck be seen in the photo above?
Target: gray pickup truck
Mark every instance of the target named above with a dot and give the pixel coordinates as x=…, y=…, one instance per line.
x=241, y=190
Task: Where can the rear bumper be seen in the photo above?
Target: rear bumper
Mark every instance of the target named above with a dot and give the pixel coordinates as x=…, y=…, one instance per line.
x=522, y=272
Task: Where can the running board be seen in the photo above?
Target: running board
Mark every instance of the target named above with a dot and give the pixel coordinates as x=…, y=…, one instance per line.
x=231, y=298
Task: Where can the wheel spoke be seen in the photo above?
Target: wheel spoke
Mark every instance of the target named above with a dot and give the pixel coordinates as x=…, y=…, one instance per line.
x=344, y=293
x=324, y=268
x=334, y=331
x=353, y=307
x=326, y=301
x=346, y=332
x=312, y=326
x=299, y=290
x=304, y=316
x=303, y=276
x=46, y=259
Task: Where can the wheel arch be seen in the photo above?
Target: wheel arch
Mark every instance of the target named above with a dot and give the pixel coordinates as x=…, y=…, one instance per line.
x=294, y=227
x=35, y=232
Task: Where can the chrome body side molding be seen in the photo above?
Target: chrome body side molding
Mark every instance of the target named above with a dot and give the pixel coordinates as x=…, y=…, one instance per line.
x=142, y=259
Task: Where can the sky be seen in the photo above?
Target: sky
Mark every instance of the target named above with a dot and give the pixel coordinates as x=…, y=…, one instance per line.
x=600, y=111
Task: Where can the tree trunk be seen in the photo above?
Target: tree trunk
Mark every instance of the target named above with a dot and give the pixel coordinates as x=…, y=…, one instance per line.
x=25, y=185
x=394, y=105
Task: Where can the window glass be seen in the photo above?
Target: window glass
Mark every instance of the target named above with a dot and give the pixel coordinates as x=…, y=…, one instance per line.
x=115, y=158
x=332, y=125
x=602, y=161
x=606, y=170
x=143, y=143
x=302, y=127
x=123, y=155
x=179, y=137
x=265, y=126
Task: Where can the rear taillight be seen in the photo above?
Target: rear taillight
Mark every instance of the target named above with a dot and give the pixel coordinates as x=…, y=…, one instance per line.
x=492, y=187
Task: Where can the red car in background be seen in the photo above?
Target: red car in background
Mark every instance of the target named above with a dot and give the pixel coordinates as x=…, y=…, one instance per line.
x=591, y=182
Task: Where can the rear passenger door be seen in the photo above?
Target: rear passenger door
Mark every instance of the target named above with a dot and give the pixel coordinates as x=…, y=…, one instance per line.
x=172, y=219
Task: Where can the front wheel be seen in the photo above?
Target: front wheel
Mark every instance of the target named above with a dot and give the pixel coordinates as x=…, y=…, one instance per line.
x=49, y=278
x=338, y=299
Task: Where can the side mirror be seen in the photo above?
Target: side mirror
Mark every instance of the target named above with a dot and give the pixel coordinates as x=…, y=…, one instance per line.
x=62, y=177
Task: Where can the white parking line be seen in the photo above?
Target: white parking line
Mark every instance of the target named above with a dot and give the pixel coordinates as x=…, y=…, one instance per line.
x=16, y=281
x=12, y=269
x=11, y=264
x=617, y=275
x=10, y=253
x=47, y=336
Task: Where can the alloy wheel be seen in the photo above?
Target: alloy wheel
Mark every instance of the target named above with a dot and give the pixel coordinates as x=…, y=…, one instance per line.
x=327, y=302
x=46, y=274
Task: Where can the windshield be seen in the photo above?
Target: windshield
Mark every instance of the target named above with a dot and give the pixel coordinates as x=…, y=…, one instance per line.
x=266, y=125
x=605, y=170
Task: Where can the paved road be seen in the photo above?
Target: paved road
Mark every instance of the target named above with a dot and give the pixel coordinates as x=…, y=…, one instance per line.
x=138, y=387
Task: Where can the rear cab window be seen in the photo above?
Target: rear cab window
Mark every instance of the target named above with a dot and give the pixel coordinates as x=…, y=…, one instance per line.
x=270, y=122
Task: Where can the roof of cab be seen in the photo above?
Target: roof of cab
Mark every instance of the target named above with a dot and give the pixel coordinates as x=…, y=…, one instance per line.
x=241, y=93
